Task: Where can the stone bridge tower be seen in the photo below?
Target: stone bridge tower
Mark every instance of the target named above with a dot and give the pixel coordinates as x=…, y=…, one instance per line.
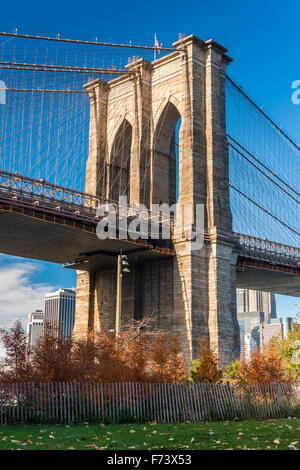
x=132, y=152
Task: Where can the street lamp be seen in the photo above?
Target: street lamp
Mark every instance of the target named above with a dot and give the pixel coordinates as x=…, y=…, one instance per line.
x=123, y=267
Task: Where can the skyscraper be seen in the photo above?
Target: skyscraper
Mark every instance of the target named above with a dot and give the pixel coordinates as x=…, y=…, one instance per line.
x=35, y=327
x=278, y=328
x=250, y=330
x=256, y=301
x=60, y=310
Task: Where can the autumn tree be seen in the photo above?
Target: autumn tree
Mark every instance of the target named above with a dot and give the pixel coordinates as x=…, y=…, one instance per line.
x=108, y=357
x=134, y=355
x=51, y=357
x=166, y=361
x=264, y=367
x=83, y=358
x=175, y=368
x=206, y=368
x=158, y=357
x=289, y=350
x=231, y=372
x=16, y=366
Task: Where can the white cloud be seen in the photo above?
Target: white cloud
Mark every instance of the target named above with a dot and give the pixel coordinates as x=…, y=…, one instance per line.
x=19, y=295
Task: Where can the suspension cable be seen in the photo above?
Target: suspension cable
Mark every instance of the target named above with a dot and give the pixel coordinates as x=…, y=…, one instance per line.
x=263, y=113
x=264, y=209
x=72, y=68
x=51, y=68
x=265, y=174
x=93, y=43
x=258, y=161
x=41, y=90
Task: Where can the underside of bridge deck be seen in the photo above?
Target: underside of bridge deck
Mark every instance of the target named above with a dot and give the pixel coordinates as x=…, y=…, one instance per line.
x=267, y=277
x=34, y=234
x=41, y=236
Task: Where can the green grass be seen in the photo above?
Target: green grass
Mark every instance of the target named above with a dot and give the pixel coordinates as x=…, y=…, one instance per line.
x=219, y=435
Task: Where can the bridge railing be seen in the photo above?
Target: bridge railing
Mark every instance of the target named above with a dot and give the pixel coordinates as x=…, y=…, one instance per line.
x=261, y=248
x=41, y=193
x=16, y=184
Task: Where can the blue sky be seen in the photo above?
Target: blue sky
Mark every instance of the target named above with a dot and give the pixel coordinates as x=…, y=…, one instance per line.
x=263, y=38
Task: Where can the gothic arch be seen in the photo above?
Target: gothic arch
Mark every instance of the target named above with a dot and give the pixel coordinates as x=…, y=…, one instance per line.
x=119, y=162
x=164, y=175
x=115, y=125
x=158, y=109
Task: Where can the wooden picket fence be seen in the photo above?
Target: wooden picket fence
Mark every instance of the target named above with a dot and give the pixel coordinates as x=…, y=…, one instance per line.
x=73, y=402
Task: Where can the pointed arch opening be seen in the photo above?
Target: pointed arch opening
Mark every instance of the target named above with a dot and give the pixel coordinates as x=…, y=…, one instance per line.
x=165, y=158
x=119, y=175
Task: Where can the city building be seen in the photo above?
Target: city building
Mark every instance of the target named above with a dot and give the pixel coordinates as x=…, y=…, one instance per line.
x=286, y=325
x=256, y=301
x=35, y=327
x=249, y=346
x=250, y=331
x=60, y=310
x=242, y=336
x=278, y=327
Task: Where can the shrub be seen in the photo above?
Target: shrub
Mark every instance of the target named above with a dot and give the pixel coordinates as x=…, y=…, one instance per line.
x=231, y=372
x=289, y=350
x=264, y=367
x=206, y=369
x=16, y=366
x=134, y=356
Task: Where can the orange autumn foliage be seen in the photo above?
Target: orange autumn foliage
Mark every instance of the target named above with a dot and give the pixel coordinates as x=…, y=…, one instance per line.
x=166, y=362
x=134, y=356
x=206, y=368
x=263, y=367
x=16, y=366
x=50, y=358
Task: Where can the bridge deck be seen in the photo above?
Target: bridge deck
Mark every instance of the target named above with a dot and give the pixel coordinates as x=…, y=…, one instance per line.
x=267, y=277
x=42, y=221
x=31, y=233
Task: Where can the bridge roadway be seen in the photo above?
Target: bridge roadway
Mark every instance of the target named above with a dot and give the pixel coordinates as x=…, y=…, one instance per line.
x=42, y=221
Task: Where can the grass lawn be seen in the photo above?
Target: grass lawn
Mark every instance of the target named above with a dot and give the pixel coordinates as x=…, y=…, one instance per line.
x=269, y=434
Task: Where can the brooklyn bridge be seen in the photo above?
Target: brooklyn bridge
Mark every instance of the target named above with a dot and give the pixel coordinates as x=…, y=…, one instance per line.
x=87, y=122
